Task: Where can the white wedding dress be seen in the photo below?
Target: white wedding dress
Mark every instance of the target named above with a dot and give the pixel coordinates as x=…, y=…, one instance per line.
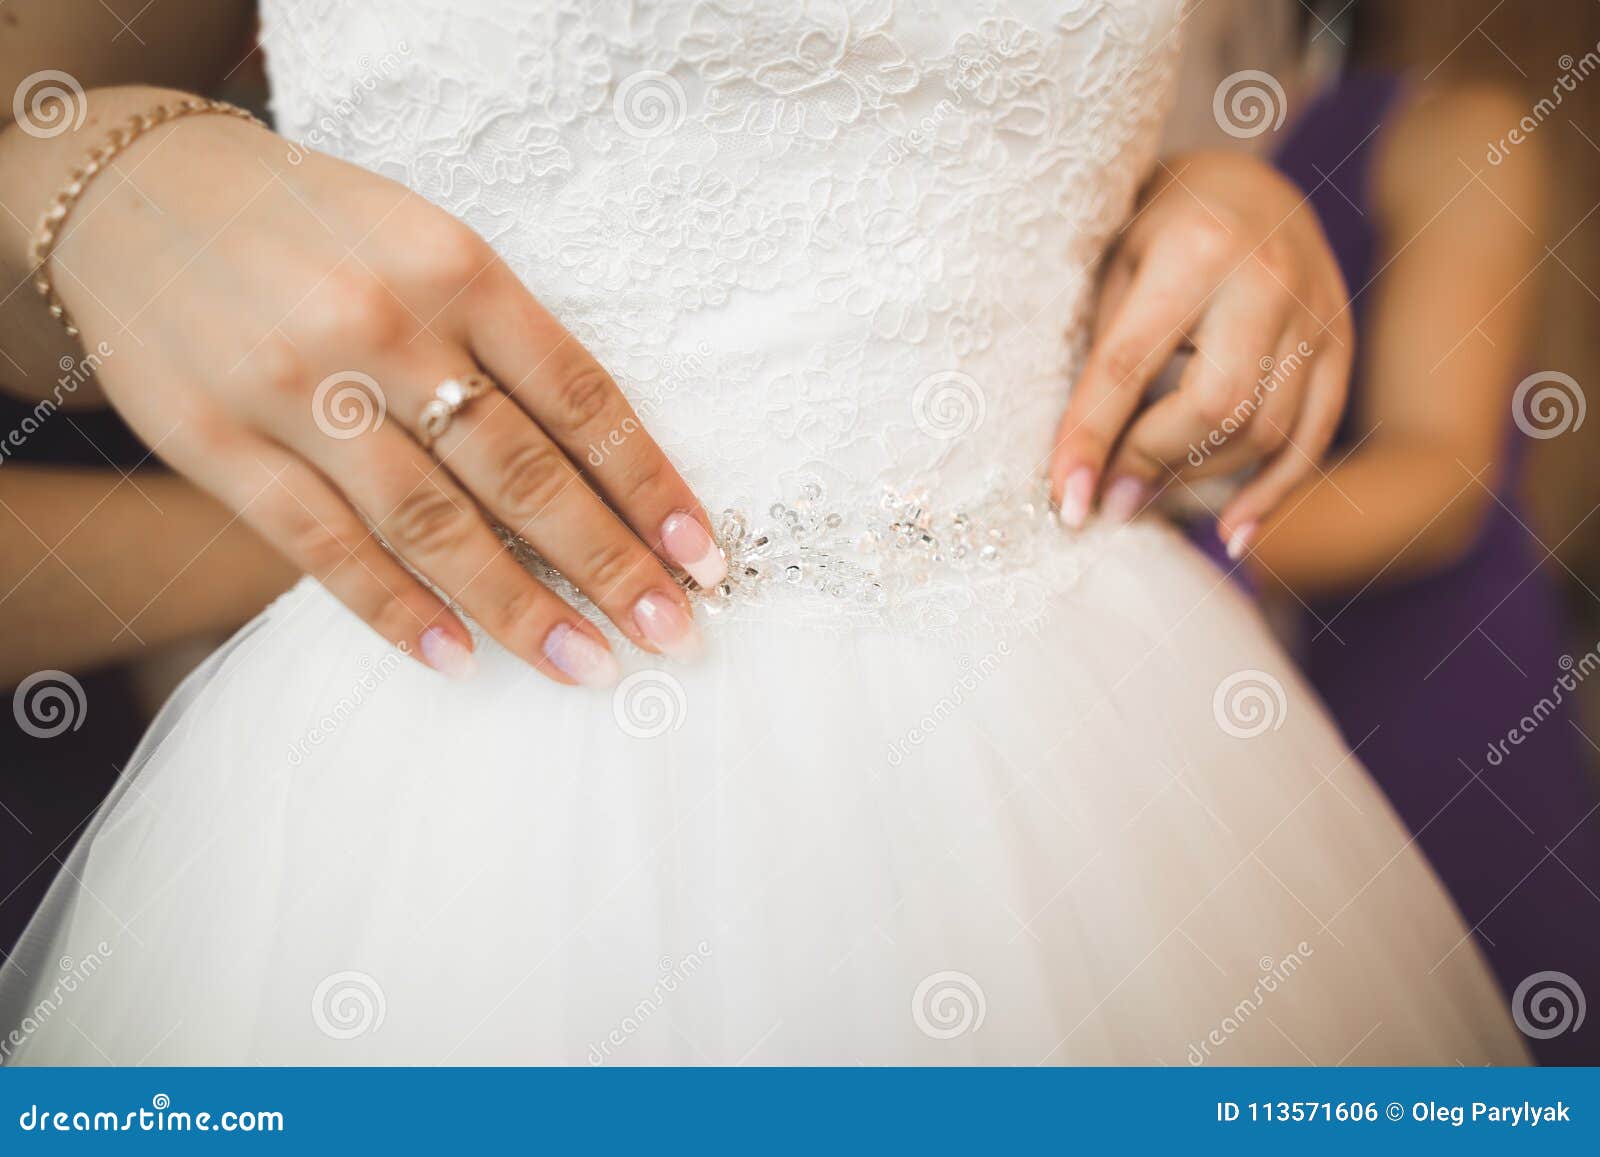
x=951, y=784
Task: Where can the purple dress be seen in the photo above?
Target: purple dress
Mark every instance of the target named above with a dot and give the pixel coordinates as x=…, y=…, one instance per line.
x=1429, y=679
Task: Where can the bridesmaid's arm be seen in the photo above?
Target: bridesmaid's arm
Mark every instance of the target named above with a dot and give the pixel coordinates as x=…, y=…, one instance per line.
x=1444, y=345
x=95, y=569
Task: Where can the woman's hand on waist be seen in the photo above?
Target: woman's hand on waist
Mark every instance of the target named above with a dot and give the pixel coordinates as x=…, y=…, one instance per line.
x=1227, y=257
x=273, y=324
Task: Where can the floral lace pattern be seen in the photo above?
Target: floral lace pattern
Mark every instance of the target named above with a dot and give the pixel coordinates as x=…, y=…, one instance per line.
x=841, y=243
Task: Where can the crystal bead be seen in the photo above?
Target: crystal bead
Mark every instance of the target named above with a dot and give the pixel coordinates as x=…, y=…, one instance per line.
x=900, y=544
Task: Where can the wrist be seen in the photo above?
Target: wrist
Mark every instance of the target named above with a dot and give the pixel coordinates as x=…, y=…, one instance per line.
x=37, y=159
x=109, y=165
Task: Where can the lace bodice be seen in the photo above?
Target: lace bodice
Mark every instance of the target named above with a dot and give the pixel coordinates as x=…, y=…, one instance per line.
x=828, y=248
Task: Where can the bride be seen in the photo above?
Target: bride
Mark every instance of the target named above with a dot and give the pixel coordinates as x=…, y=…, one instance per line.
x=904, y=758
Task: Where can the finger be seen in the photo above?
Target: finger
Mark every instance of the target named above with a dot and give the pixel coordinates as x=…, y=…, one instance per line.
x=433, y=525
x=1175, y=438
x=1140, y=339
x=569, y=394
x=530, y=487
x=1210, y=423
x=1307, y=442
x=296, y=510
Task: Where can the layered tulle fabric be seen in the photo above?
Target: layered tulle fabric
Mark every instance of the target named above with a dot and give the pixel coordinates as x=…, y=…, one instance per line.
x=1128, y=836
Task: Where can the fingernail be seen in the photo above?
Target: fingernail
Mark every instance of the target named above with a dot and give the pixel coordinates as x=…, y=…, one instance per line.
x=689, y=545
x=1124, y=499
x=666, y=624
x=1241, y=539
x=447, y=654
x=1076, y=496
x=580, y=658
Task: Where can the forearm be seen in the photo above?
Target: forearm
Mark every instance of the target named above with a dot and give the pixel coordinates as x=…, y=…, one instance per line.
x=1395, y=509
x=32, y=169
x=186, y=44
x=51, y=51
x=99, y=569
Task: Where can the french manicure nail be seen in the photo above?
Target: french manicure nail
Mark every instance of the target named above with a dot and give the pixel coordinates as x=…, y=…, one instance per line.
x=1124, y=499
x=580, y=658
x=665, y=623
x=447, y=654
x=1240, y=540
x=689, y=545
x=1076, y=496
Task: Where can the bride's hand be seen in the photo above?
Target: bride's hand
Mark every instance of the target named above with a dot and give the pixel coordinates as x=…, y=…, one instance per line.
x=1226, y=254
x=277, y=329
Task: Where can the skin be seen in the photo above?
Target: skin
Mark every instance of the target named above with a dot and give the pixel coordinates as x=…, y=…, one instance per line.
x=271, y=279
x=184, y=44
x=233, y=284
x=96, y=567
x=1225, y=256
x=1449, y=316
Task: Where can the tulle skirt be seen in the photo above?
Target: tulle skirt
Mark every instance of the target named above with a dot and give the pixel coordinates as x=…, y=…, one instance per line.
x=1127, y=836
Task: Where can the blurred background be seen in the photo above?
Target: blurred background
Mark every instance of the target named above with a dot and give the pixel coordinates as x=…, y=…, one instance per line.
x=53, y=783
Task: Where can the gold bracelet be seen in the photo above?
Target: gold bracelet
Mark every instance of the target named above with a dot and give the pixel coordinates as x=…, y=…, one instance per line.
x=44, y=241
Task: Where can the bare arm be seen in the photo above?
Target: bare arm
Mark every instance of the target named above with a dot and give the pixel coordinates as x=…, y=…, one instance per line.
x=1443, y=350
x=246, y=296
x=95, y=568
x=187, y=44
x=181, y=44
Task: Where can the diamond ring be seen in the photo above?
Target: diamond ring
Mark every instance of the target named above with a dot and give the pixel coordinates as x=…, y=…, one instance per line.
x=450, y=397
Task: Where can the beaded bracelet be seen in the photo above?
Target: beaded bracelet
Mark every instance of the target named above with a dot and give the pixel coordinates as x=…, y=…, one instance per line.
x=44, y=241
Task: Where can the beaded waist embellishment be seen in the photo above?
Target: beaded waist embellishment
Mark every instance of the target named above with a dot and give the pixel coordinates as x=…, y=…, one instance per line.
x=903, y=561
x=869, y=557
